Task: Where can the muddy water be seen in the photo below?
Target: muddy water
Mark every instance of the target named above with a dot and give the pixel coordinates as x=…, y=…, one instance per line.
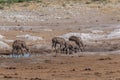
x=15, y=55
x=18, y=56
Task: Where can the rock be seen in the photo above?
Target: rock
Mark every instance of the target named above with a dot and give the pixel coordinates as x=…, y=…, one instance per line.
x=29, y=37
x=114, y=34
x=1, y=36
x=4, y=46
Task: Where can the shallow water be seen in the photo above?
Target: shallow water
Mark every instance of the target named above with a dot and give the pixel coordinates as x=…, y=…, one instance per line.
x=19, y=56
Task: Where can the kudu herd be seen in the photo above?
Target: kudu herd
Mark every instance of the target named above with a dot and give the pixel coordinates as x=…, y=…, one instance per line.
x=19, y=47
x=74, y=44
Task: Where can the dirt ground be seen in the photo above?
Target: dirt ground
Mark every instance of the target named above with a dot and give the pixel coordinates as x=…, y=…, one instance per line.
x=61, y=67
x=100, y=61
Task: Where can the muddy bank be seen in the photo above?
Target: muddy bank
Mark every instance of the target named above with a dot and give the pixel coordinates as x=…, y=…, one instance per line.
x=60, y=67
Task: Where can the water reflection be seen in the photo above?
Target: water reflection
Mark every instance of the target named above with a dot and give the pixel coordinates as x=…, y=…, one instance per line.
x=26, y=55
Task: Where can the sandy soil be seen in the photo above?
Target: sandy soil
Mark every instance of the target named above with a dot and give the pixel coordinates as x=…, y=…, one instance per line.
x=61, y=67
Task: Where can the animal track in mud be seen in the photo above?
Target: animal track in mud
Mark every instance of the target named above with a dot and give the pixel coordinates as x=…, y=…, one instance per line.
x=106, y=58
x=109, y=72
x=36, y=68
x=10, y=77
x=87, y=69
x=36, y=79
x=73, y=70
x=113, y=62
x=98, y=74
x=10, y=68
x=7, y=76
x=41, y=67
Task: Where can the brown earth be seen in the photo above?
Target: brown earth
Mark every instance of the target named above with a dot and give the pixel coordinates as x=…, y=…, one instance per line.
x=97, y=67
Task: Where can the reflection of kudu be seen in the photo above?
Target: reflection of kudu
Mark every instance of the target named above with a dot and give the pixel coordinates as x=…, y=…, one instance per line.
x=19, y=47
x=70, y=47
x=78, y=42
x=58, y=40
